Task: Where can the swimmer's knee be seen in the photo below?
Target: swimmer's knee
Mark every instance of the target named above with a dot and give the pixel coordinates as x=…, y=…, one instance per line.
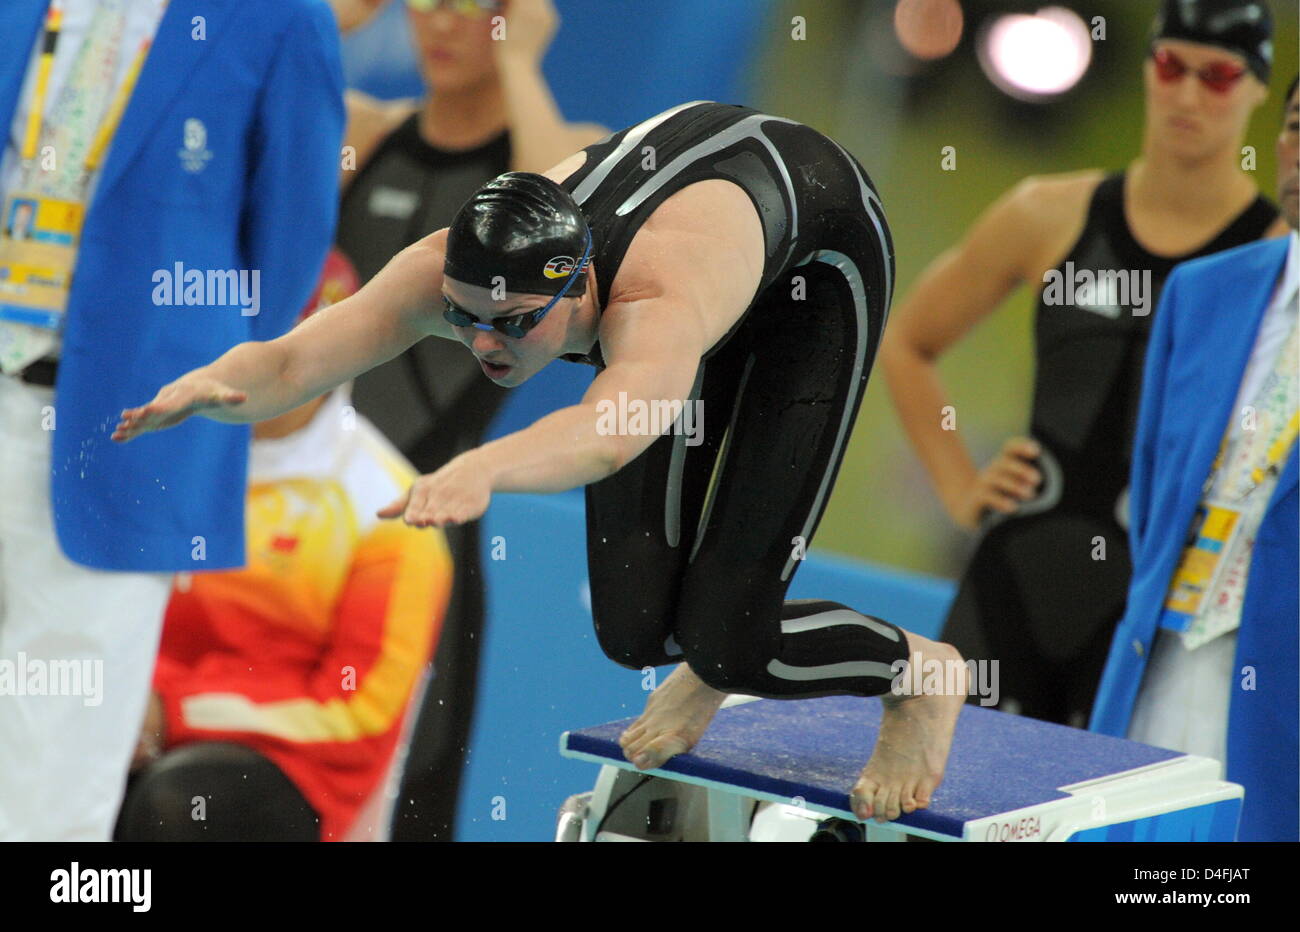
x=637, y=646
x=729, y=668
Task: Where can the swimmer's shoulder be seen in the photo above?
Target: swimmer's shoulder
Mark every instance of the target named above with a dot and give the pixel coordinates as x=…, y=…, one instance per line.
x=1064, y=191
x=428, y=254
x=419, y=275
x=1279, y=227
x=431, y=247
x=1051, y=212
x=560, y=172
x=369, y=122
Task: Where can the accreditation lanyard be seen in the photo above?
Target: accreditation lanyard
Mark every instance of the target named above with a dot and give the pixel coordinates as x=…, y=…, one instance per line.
x=107, y=126
x=39, y=234
x=1214, y=531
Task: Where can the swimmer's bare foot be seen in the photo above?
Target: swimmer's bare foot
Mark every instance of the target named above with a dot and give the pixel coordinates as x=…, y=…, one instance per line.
x=674, y=719
x=915, y=735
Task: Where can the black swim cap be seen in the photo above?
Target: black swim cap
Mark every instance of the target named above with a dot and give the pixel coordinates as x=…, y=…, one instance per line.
x=1241, y=26
x=520, y=229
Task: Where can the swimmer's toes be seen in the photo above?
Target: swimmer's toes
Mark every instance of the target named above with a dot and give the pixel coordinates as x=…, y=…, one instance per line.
x=865, y=787
x=888, y=807
x=662, y=748
x=635, y=749
x=907, y=797
x=863, y=797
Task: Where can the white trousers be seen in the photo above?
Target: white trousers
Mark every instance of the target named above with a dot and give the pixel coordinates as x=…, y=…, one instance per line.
x=1185, y=695
x=77, y=651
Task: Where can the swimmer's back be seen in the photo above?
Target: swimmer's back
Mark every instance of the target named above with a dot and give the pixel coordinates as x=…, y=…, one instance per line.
x=713, y=200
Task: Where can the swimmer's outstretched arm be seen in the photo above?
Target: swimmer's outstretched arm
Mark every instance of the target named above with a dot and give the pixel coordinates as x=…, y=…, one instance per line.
x=259, y=380
x=652, y=348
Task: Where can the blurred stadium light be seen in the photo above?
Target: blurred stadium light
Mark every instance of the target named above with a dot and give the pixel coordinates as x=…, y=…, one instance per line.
x=928, y=29
x=1035, y=57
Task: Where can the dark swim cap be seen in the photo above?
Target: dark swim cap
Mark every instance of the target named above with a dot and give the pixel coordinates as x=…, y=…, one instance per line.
x=1241, y=26
x=520, y=229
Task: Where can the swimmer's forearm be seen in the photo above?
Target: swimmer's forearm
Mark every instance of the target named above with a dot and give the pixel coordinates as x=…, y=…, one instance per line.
x=539, y=135
x=257, y=369
x=561, y=451
x=338, y=343
x=929, y=420
x=536, y=127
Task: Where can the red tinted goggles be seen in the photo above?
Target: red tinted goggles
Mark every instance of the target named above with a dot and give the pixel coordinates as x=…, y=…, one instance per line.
x=1218, y=76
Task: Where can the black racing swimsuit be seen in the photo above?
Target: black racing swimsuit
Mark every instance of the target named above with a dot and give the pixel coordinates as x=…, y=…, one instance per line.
x=1035, y=596
x=684, y=568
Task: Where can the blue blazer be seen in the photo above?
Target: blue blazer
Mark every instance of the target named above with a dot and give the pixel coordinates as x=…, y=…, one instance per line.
x=1204, y=331
x=252, y=185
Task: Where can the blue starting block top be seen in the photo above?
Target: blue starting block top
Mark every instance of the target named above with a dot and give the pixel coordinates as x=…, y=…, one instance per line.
x=816, y=748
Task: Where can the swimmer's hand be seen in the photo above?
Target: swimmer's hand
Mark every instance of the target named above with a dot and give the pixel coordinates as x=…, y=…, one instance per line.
x=190, y=394
x=1002, y=485
x=530, y=26
x=458, y=493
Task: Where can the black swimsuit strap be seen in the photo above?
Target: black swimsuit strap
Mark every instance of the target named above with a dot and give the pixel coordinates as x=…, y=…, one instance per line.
x=1248, y=225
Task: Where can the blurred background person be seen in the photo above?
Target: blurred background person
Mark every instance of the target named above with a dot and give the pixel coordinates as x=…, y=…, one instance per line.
x=281, y=688
x=167, y=145
x=1047, y=582
x=486, y=109
x=1221, y=611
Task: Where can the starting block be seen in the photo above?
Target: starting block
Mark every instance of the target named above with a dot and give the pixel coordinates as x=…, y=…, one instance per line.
x=769, y=770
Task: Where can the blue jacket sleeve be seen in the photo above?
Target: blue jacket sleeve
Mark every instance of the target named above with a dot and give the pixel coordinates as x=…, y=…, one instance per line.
x=1150, y=411
x=292, y=206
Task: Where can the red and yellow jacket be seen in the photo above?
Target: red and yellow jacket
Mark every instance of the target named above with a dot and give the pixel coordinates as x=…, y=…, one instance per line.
x=309, y=655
